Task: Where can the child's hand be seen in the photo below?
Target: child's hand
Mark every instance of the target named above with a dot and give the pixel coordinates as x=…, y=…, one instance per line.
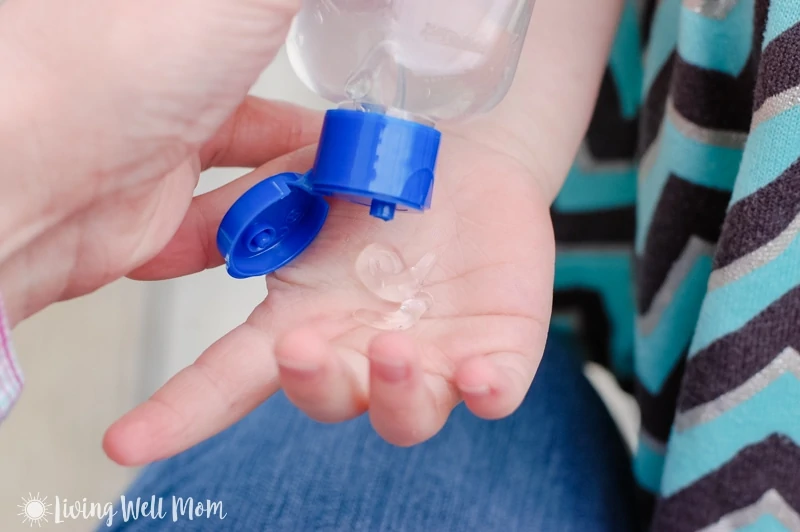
x=482, y=340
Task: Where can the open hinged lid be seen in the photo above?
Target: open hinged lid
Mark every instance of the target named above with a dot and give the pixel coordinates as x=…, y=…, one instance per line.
x=270, y=225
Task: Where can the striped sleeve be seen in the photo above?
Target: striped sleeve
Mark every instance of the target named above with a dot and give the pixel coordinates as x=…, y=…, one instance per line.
x=10, y=374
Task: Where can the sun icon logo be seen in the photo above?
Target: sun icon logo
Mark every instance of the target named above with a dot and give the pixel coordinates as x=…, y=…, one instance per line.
x=34, y=510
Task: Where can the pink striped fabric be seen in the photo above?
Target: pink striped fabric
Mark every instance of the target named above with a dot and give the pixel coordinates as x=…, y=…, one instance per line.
x=10, y=373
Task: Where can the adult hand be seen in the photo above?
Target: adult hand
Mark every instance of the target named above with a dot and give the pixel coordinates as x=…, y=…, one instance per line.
x=492, y=284
x=110, y=110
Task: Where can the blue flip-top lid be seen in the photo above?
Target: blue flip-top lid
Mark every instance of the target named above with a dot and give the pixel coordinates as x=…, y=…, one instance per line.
x=368, y=158
x=270, y=225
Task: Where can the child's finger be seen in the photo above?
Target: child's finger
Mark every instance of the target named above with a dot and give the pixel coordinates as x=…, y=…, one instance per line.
x=405, y=408
x=494, y=386
x=229, y=380
x=319, y=381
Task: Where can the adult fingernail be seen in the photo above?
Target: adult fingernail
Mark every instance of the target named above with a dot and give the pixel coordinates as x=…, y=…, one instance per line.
x=391, y=370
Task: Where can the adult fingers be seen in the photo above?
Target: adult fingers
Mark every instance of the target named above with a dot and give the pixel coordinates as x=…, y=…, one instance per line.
x=193, y=248
x=259, y=131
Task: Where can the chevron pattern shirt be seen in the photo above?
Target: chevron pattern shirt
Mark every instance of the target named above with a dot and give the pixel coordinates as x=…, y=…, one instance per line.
x=679, y=257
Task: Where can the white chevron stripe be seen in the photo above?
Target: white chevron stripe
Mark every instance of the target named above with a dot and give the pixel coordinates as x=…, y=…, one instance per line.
x=788, y=361
x=775, y=105
x=771, y=503
x=695, y=248
x=722, y=138
x=649, y=158
x=716, y=9
x=755, y=259
x=655, y=445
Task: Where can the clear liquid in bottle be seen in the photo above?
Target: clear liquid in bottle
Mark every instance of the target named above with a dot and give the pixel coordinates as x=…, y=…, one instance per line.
x=432, y=60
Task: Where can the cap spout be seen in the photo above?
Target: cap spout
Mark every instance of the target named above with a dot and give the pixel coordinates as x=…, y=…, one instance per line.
x=383, y=210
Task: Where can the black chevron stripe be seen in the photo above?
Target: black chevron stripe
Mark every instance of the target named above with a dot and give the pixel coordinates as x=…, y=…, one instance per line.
x=684, y=209
x=733, y=359
x=611, y=226
x=658, y=411
x=759, y=26
x=760, y=217
x=648, y=12
x=770, y=464
x=611, y=136
x=775, y=76
x=645, y=507
x=654, y=105
x=712, y=99
x=595, y=330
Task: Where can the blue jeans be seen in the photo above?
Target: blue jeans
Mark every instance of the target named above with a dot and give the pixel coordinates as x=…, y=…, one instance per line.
x=558, y=464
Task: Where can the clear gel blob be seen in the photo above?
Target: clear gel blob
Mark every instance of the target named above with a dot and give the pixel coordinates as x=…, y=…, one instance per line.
x=382, y=270
x=405, y=317
x=384, y=273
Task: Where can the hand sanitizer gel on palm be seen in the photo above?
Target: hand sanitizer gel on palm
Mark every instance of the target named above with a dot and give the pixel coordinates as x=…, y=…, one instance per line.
x=394, y=69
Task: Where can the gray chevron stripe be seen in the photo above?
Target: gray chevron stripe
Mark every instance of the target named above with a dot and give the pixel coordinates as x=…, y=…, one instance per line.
x=649, y=158
x=586, y=162
x=756, y=259
x=713, y=137
x=652, y=442
x=695, y=248
x=788, y=361
x=716, y=9
x=771, y=503
x=775, y=105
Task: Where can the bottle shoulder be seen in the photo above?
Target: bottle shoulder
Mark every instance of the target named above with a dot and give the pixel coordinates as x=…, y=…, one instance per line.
x=411, y=56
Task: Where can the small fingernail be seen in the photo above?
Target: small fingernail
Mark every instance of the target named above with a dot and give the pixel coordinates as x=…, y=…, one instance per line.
x=481, y=389
x=298, y=366
x=391, y=371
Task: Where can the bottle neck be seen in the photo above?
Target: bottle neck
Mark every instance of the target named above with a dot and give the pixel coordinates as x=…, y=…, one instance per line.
x=387, y=111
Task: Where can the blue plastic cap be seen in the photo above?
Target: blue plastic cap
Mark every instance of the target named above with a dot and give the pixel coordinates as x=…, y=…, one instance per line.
x=368, y=158
x=377, y=160
x=270, y=225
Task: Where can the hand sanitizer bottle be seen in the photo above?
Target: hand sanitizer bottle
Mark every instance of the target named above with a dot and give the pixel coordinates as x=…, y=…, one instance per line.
x=393, y=69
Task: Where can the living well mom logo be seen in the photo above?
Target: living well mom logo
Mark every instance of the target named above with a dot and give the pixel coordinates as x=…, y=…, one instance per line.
x=37, y=510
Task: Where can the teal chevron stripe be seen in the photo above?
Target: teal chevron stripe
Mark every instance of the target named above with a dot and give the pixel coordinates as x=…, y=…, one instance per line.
x=663, y=40
x=752, y=294
x=783, y=14
x=625, y=62
x=771, y=148
x=711, y=166
x=609, y=274
x=565, y=323
x=648, y=465
x=699, y=38
x=657, y=354
x=592, y=191
x=766, y=523
x=697, y=452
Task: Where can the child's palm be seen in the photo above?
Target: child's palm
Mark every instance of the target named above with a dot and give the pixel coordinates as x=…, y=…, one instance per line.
x=481, y=341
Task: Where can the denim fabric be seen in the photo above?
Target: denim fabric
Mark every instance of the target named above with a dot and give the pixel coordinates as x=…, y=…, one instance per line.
x=558, y=464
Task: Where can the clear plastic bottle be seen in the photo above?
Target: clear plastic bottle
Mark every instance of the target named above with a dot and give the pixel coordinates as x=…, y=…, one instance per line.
x=425, y=60
x=394, y=69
